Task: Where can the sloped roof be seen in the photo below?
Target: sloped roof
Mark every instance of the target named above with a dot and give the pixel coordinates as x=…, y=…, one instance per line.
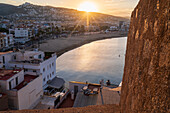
x=56, y=83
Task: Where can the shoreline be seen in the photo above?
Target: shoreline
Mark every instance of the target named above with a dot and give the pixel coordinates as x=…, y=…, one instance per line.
x=59, y=53
x=63, y=45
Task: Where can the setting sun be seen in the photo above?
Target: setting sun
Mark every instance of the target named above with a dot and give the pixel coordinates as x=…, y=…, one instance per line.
x=88, y=7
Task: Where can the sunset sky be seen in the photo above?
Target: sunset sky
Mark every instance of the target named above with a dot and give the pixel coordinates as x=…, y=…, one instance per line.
x=113, y=7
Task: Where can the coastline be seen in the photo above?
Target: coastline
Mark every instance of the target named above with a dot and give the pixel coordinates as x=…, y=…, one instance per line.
x=62, y=45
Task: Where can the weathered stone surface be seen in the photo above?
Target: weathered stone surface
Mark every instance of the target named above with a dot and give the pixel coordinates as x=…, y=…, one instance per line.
x=146, y=73
x=89, y=109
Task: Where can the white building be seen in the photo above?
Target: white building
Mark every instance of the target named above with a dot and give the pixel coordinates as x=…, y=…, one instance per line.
x=3, y=25
x=21, y=35
x=6, y=41
x=113, y=28
x=33, y=62
x=23, y=91
x=21, y=32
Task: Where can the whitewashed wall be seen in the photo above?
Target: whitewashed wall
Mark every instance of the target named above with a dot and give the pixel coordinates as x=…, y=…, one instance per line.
x=30, y=94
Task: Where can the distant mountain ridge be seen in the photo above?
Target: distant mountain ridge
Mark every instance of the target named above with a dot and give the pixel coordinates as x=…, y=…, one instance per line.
x=36, y=12
x=6, y=9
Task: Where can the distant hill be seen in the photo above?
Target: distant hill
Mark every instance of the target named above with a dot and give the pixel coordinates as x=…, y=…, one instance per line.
x=29, y=11
x=6, y=9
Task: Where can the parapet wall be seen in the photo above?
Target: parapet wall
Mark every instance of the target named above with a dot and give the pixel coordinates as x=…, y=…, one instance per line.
x=3, y=102
x=146, y=72
x=89, y=109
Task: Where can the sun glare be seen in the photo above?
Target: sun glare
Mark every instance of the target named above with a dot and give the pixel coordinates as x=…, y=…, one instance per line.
x=88, y=7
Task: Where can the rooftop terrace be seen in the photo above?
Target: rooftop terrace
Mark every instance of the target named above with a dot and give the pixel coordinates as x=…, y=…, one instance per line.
x=104, y=96
x=27, y=79
x=5, y=74
x=68, y=102
x=33, y=61
x=2, y=53
x=76, y=82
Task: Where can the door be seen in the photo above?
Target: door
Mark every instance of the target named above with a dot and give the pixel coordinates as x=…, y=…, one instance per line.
x=11, y=84
x=75, y=90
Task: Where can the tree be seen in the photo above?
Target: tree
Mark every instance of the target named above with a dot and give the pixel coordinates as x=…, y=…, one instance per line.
x=57, y=30
x=104, y=27
x=82, y=28
x=4, y=30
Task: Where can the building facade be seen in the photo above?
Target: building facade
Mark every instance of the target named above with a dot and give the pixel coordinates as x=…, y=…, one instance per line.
x=6, y=41
x=24, y=91
x=33, y=62
x=21, y=35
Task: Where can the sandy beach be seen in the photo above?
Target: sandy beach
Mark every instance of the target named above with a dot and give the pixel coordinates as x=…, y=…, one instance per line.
x=62, y=45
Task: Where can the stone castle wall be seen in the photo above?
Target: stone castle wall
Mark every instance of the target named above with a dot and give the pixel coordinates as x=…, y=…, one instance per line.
x=146, y=73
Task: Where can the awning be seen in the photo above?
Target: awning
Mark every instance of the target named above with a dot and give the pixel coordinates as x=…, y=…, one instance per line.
x=56, y=83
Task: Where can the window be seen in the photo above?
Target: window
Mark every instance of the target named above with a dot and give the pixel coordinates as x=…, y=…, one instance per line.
x=25, y=70
x=31, y=57
x=50, y=75
x=39, y=56
x=15, y=57
x=16, y=79
x=3, y=59
x=10, y=85
x=44, y=79
x=47, y=77
x=53, y=72
x=52, y=64
x=43, y=69
x=34, y=71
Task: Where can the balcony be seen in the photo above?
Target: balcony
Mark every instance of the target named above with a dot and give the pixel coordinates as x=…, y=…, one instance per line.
x=49, y=55
x=35, y=62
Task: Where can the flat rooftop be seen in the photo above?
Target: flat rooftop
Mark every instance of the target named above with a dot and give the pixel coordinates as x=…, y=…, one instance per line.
x=27, y=79
x=68, y=102
x=46, y=102
x=2, y=53
x=5, y=74
x=105, y=96
x=76, y=82
x=33, y=61
x=32, y=53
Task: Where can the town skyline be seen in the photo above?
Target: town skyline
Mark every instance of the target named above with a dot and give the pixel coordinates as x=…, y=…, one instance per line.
x=121, y=8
